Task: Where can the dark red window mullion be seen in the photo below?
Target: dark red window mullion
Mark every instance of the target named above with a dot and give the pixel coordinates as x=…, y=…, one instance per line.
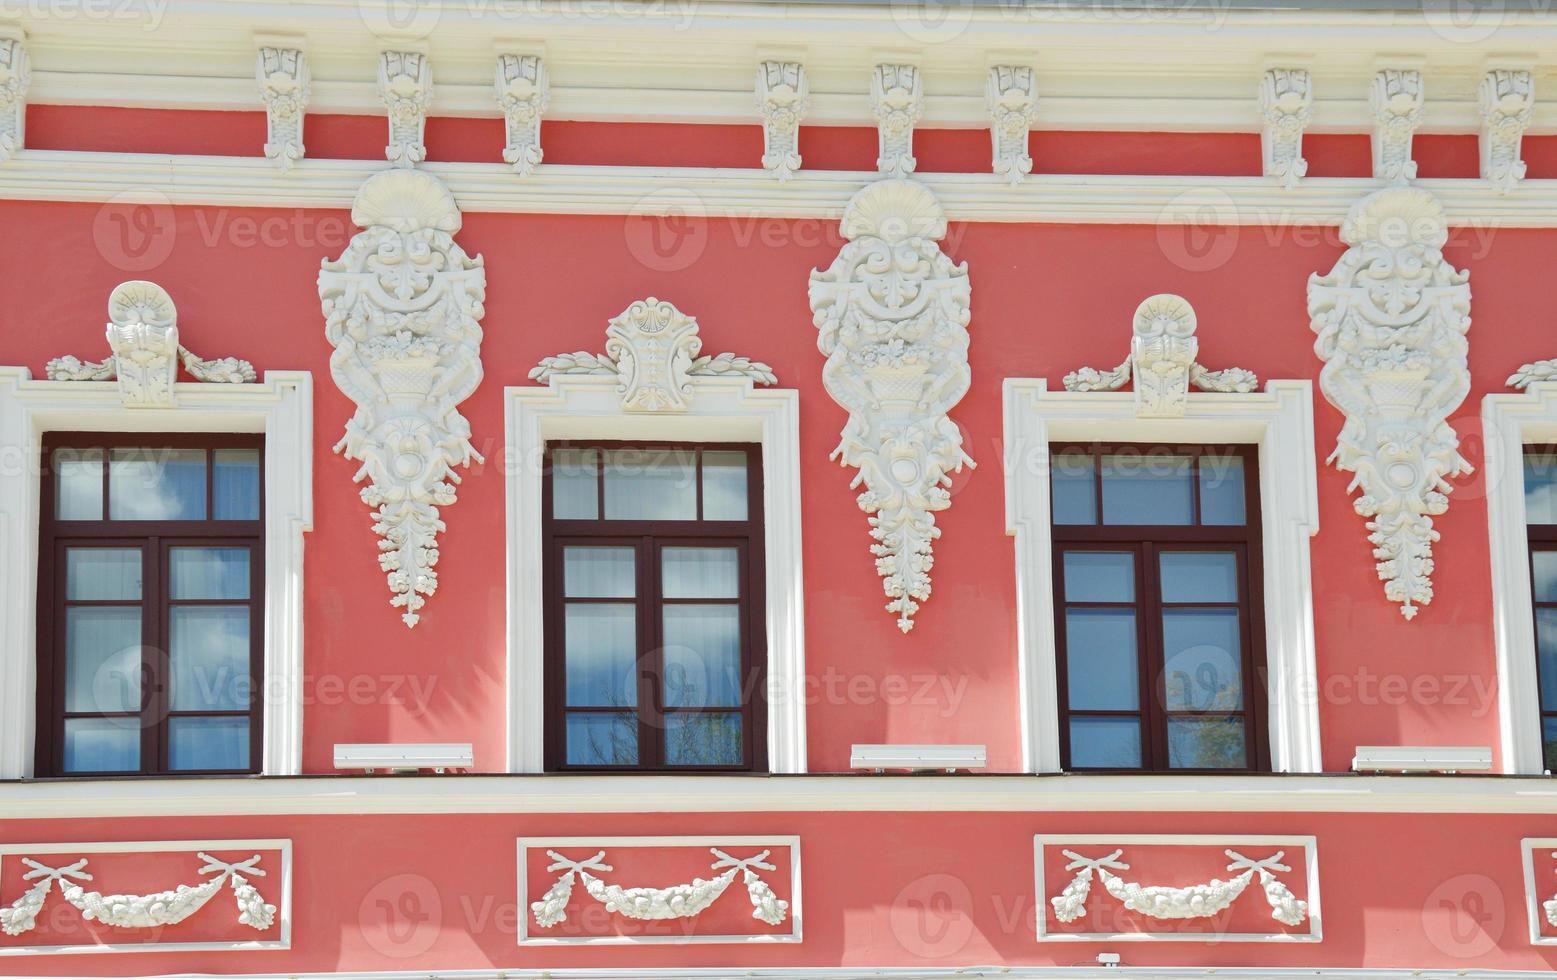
x=1154, y=665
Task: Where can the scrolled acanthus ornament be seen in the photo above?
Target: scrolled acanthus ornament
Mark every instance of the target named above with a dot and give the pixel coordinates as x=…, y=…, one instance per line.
x=151, y=911
x=892, y=318
x=1391, y=319
x=674, y=902
x=402, y=308
x=1200, y=901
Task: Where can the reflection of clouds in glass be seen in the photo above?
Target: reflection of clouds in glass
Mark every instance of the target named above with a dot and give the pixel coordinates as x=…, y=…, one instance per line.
x=209, y=650
x=156, y=484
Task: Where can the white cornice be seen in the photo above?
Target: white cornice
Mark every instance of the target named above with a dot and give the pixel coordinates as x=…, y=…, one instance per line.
x=191, y=796
x=50, y=175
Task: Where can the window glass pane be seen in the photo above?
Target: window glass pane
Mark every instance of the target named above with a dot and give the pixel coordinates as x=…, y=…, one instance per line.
x=590, y=572
x=724, y=485
x=1105, y=743
x=102, y=745
x=208, y=650
x=1544, y=564
x=78, y=484
x=1546, y=644
x=208, y=573
x=103, y=658
x=1203, y=669
x=102, y=573
x=156, y=484
x=601, y=643
x=599, y=738
x=1206, y=743
x=1541, y=488
x=208, y=743
x=1199, y=576
x=1148, y=489
x=1099, y=576
x=700, y=573
x=1221, y=489
x=1100, y=659
x=1549, y=743
x=575, y=492
x=650, y=485
x=702, y=656
x=1075, y=498
x=235, y=484
x=707, y=738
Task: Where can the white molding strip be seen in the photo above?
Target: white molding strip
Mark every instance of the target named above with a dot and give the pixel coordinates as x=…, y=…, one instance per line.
x=67, y=175
x=276, y=884
x=281, y=407
x=577, y=793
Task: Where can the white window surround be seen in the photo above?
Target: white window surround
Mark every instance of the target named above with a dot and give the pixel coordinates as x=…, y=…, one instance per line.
x=1280, y=420
x=720, y=410
x=281, y=407
x=1509, y=422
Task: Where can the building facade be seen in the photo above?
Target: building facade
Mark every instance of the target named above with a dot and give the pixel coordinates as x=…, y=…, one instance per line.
x=777, y=489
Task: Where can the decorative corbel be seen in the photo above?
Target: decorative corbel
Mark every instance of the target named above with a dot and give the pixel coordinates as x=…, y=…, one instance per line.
x=1286, y=104
x=1163, y=348
x=15, y=77
x=1396, y=99
x=1391, y=319
x=652, y=349
x=897, y=99
x=405, y=85
x=783, y=98
x=282, y=73
x=523, y=93
x=1507, y=102
x=1011, y=94
x=143, y=337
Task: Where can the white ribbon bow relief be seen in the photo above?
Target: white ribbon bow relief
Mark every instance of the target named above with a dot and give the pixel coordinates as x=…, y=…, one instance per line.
x=675, y=902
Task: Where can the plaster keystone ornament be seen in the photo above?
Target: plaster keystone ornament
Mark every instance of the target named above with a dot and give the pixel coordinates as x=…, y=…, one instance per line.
x=1011, y=94
x=1396, y=100
x=523, y=93
x=783, y=97
x=1192, y=902
x=1286, y=104
x=15, y=78
x=1163, y=348
x=143, y=336
x=405, y=85
x=402, y=308
x=283, y=79
x=1507, y=102
x=1537, y=372
x=897, y=99
x=152, y=911
x=652, y=349
x=892, y=314
x=1391, y=319
x=675, y=902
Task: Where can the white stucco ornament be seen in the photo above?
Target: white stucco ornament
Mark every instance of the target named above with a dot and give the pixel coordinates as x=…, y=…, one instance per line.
x=674, y=902
x=1391, y=319
x=1200, y=901
x=897, y=99
x=1536, y=372
x=1396, y=99
x=892, y=314
x=1163, y=348
x=523, y=93
x=783, y=98
x=653, y=350
x=1506, y=99
x=15, y=79
x=1286, y=105
x=282, y=73
x=402, y=308
x=143, y=336
x=405, y=86
x=1011, y=96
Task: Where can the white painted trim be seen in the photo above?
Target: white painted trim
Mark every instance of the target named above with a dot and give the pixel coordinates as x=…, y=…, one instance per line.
x=526, y=922
x=720, y=409
x=1534, y=914
x=1508, y=422
x=1280, y=420
x=749, y=194
x=1309, y=844
x=280, y=896
x=281, y=407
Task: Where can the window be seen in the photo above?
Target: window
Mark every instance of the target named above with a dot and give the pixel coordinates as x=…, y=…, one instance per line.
x=1158, y=632
x=653, y=604
x=150, y=607
x=1541, y=514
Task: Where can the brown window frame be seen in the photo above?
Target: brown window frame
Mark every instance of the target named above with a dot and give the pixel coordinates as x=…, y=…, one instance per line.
x=1542, y=537
x=647, y=537
x=1147, y=541
x=154, y=538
